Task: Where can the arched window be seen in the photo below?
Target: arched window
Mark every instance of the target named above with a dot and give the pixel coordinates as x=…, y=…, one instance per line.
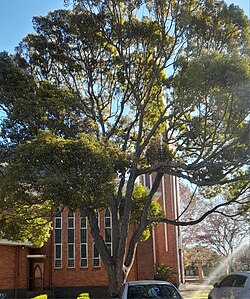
x=84, y=242
x=108, y=230
x=58, y=238
x=96, y=255
x=71, y=239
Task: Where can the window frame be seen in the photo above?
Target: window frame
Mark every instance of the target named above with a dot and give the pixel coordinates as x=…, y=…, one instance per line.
x=70, y=227
x=95, y=254
x=58, y=226
x=83, y=228
x=108, y=242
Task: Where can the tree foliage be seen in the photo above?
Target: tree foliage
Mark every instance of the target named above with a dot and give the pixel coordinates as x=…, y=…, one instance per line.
x=208, y=258
x=108, y=91
x=221, y=237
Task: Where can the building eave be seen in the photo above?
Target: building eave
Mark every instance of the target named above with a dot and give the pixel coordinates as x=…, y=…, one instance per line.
x=15, y=243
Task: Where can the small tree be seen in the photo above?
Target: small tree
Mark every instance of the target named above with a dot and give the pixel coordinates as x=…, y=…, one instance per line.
x=164, y=272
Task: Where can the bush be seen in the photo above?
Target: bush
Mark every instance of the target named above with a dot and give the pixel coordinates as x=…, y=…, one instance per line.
x=164, y=272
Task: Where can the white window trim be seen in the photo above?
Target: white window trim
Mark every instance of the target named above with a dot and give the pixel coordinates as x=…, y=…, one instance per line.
x=86, y=243
x=57, y=244
x=93, y=247
x=70, y=259
x=110, y=227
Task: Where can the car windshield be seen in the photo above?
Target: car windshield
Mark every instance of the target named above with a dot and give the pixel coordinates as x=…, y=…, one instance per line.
x=153, y=291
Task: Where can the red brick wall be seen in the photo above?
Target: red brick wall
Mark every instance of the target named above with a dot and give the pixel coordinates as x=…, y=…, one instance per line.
x=144, y=261
x=164, y=237
x=167, y=255
x=13, y=274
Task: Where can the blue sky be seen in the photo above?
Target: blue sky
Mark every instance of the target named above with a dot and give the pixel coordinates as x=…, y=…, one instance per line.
x=16, y=18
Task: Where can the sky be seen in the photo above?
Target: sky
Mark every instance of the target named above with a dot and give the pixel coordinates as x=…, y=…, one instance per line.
x=16, y=18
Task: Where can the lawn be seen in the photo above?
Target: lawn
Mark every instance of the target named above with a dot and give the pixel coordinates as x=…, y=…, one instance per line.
x=196, y=294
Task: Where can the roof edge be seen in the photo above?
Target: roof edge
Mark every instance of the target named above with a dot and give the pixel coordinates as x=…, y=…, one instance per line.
x=15, y=243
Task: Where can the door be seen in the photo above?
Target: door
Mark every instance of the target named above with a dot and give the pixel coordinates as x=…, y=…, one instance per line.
x=37, y=276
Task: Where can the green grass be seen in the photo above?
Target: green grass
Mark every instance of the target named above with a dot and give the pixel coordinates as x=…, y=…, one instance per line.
x=200, y=294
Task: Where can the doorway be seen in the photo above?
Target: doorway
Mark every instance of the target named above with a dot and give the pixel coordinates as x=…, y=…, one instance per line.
x=37, y=276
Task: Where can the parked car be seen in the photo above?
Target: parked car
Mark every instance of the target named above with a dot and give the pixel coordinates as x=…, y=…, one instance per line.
x=234, y=286
x=149, y=289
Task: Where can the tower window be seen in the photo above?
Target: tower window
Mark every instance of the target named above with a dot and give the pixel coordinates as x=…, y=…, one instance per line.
x=83, y=242
x=58, y=239
x=71, y=240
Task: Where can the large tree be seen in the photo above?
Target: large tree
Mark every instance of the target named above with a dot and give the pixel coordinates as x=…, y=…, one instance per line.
x=108, y=91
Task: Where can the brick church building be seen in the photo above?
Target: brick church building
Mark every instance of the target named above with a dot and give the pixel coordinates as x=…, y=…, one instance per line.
x=69, y=264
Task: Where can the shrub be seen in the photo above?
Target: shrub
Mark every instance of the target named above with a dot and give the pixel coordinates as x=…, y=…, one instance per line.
x=164, y=272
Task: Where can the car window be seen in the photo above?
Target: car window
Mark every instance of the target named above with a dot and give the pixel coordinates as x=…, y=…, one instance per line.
x=239, y=281
x=153, y=291
x=227, y=281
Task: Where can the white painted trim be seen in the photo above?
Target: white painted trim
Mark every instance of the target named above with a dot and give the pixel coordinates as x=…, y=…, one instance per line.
x=108, y=227
x=98, y=258
x=84, y=228
x=71, y=244
x=165, y=212
x=154, y=246
x=15, y=243
x=153, y=230
x=36, y=256
x=59, y=216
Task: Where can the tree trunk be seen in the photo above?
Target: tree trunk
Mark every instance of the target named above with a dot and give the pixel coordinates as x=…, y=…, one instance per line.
x=117, y=276
x=200, y=271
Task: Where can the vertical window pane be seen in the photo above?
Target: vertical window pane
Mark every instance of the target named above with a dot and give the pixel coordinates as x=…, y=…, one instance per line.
x=71, y=239
x=83, y=250
x=83, y=222
x=58, y=238
x=58, y=223
x=71, y=263
x=108, y=235
x=84, y=263
x=84, y=242
x=108, y=230
x=107, y=222
x=71, y=235
x=71, y=222
x=58, y=251
x=83, y=236
x=96, y=256
x=70, y=251
x=58, y=264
